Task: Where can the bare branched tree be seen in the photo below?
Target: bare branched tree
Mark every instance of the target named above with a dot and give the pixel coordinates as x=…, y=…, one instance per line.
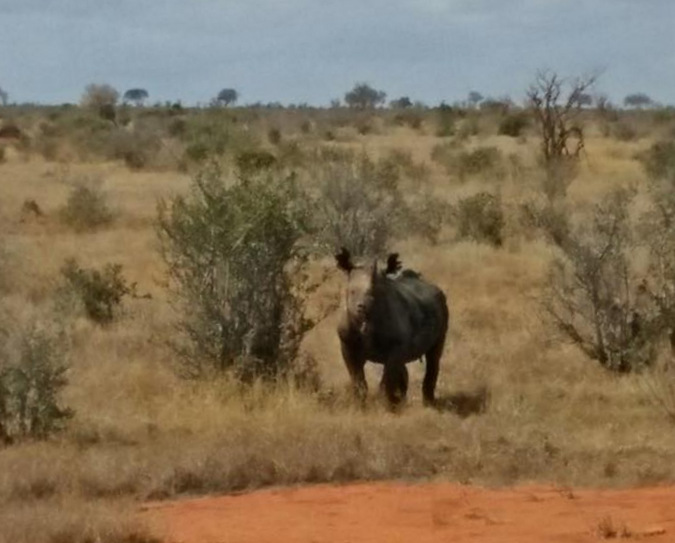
x=595, y=299
x=556, y=103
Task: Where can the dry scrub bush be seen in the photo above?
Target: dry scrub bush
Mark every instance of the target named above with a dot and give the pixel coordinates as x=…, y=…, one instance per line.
x=480, y=218
x=593, y=295
x=558, y=118
x=513, y=124
x=86, y=207
x=136, y=148
x=235, y=265
x=100, y=292
x=487, y=162
x=214, y=133
x=659, y=161
x=361, y=205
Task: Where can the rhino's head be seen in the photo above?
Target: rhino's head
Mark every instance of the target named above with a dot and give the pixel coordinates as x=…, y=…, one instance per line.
x=361, y=283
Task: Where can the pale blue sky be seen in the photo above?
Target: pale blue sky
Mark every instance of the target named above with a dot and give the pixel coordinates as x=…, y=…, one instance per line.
x=315, y=50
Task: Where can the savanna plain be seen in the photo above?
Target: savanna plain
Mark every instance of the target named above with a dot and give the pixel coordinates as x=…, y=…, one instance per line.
x=111, y=400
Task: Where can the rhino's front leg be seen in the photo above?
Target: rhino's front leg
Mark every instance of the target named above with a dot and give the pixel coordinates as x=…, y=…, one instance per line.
x=395, y=382
x=355, y=362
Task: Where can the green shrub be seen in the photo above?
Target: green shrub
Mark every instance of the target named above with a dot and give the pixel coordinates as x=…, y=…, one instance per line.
x=86, y=207
x=480, y=218
x=32, y=374
x=659, y=161
x=100, y=292
x=274, y=136
x=513, y=125
x=235, y=264
x=249, y=162
x=134, y=148
x=446, y=117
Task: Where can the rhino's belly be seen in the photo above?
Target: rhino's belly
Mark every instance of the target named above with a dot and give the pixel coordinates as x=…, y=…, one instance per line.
x=402, y=353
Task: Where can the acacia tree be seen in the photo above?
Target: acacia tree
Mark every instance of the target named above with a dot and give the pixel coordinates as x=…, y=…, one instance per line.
x=363, y=96
x=556, y=111
x=637, y=100
x=137, y=96
x=474, y=98
x=227, y=97
x=403, y=102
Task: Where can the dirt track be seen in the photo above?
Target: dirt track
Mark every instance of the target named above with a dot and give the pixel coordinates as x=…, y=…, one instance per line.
x=396, y=512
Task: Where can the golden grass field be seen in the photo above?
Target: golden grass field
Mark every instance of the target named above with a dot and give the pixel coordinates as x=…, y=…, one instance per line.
x=140, y=432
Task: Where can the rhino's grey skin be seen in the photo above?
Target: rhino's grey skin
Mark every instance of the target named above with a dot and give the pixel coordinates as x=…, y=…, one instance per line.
x=391, y=318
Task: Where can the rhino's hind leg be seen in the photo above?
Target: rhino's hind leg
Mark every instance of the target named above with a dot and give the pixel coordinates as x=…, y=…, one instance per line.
x=395, y=381
x=433, y=358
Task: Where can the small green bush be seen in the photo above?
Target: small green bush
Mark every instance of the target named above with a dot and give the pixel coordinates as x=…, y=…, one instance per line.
x=99, y=291
x=480, y=218
x=32, y=374
x=86, y=207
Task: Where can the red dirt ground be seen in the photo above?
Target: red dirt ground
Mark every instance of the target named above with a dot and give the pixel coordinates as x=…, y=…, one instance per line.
x=416, y=513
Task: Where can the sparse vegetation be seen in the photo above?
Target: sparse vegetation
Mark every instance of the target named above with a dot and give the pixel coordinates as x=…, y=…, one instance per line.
x=558, y=119
x=248, y=224
x=32, y=375
x=232, y=254
x=87, y=206
x=480, y=218
x=513, y=125
x=100, y=292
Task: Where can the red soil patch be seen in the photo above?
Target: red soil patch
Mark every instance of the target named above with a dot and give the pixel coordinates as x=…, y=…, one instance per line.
x=403, y=513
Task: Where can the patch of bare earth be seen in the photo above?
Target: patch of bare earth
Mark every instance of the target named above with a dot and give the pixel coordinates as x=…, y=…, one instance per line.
x=398, y=512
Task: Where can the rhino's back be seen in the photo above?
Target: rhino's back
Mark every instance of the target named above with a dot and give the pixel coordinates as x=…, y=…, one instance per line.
x=412, y=318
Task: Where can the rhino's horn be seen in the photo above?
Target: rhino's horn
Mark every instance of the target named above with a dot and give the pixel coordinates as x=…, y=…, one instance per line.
x=393, y=264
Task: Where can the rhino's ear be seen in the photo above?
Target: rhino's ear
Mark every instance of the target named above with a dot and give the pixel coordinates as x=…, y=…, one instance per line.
x=393, y=264
x=344, y=260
